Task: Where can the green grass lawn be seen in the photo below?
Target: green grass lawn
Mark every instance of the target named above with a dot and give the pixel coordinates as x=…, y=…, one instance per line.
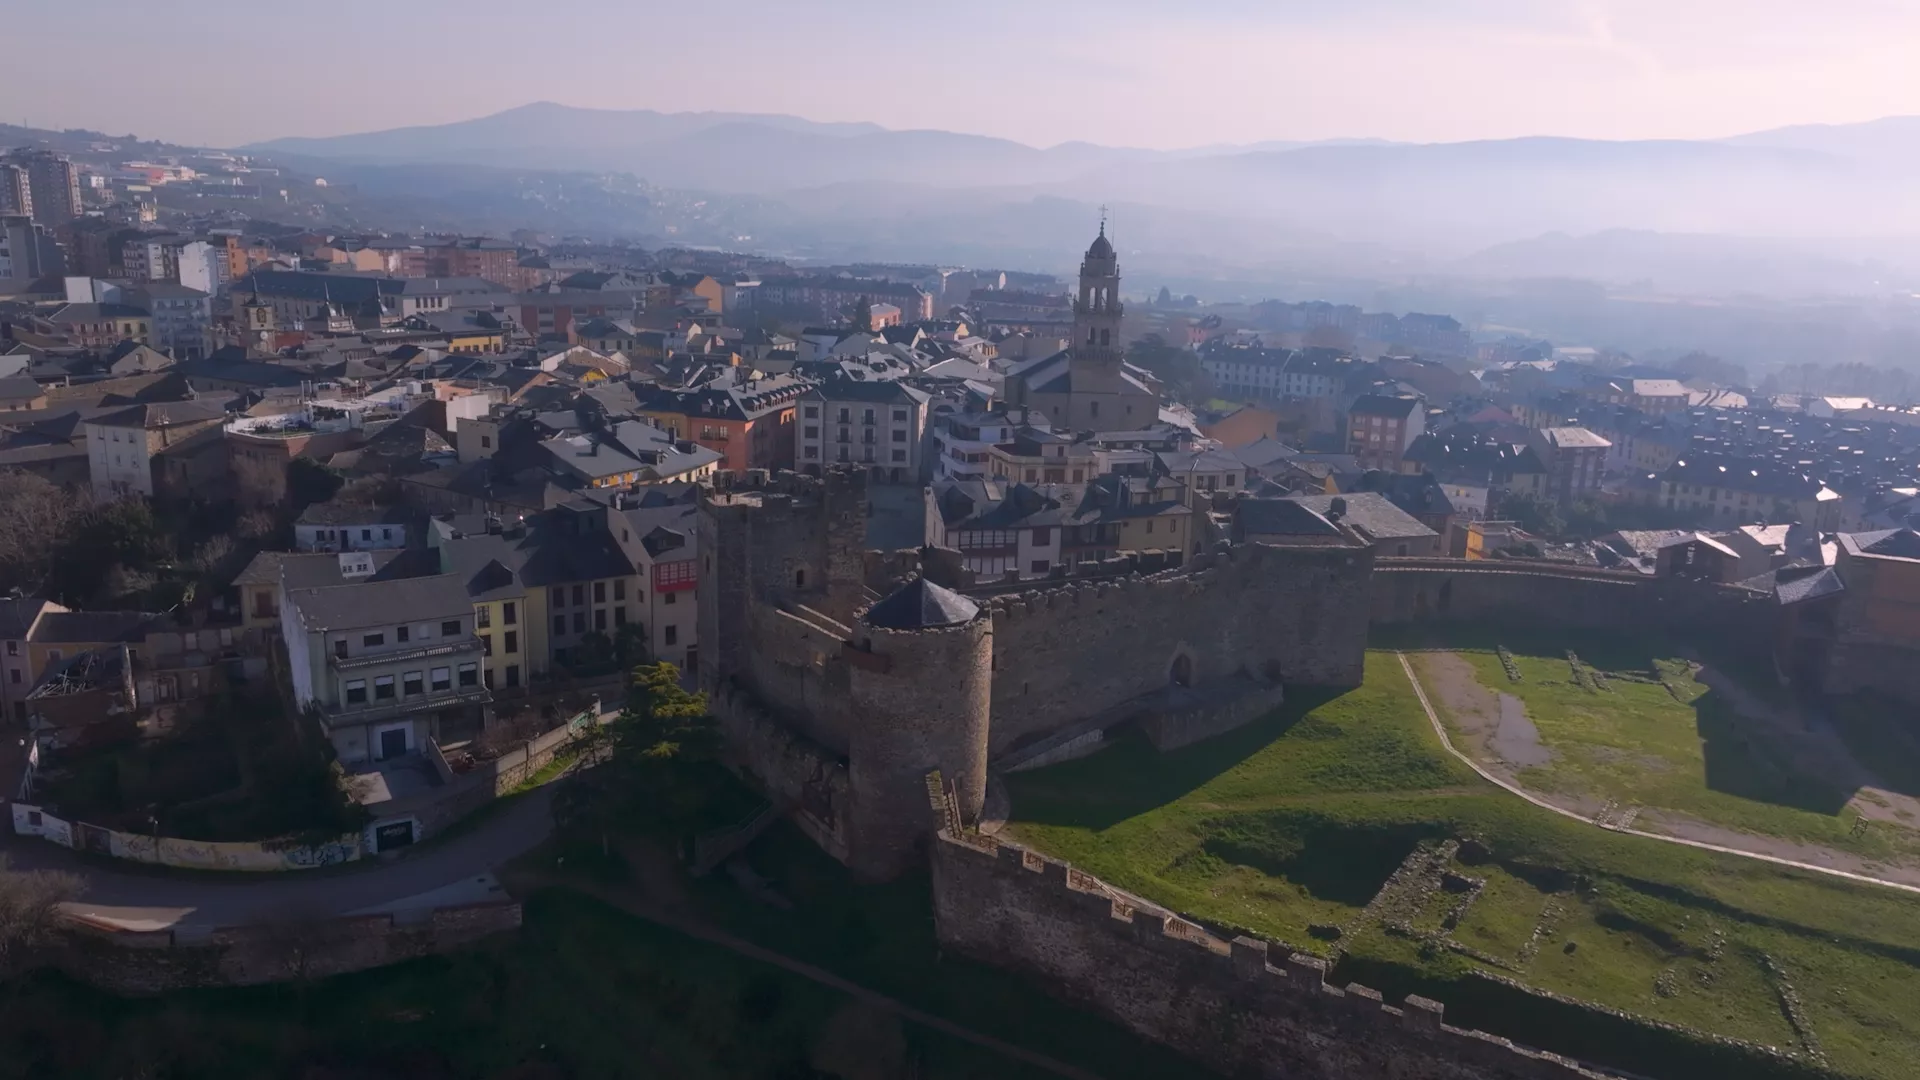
x=1684, y=749
x=584, y=991
x=1294, y=822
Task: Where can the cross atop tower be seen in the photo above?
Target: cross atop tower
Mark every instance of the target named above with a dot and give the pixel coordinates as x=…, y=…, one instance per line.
x=1103, y=219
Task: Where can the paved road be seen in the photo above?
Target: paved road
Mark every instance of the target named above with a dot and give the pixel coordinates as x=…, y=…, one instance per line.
x=457, y=870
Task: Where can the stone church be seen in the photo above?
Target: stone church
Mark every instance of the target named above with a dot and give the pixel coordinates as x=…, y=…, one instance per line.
x=1089, y=386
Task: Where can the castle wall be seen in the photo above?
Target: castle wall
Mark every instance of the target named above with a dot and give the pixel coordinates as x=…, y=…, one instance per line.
x=922, y=704
x=184, y=959
x=1237, y=1008
x=791, y=768
x=1439, y=590
x=1292, y=615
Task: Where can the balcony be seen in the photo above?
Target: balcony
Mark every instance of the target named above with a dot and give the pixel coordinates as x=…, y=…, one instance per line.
x=463, y=647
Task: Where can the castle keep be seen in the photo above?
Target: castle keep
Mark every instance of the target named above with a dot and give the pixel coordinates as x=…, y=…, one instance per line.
x=843, y=676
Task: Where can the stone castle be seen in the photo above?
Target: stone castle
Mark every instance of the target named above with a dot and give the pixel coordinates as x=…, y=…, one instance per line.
x=844, y=676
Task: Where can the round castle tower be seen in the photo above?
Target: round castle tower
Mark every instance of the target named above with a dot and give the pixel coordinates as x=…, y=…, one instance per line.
x=922, y=687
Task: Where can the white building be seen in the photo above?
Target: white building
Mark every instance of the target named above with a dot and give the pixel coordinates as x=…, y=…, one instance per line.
x=156, y=449
x=876, y=424
x=385, y=664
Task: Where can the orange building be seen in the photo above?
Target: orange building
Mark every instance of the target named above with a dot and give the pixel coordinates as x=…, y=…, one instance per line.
x=748, y=421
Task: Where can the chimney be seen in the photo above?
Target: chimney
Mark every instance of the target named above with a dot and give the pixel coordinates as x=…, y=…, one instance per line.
x=1336, y=509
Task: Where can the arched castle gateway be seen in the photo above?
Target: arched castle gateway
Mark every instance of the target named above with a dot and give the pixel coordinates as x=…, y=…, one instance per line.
x=842, y=676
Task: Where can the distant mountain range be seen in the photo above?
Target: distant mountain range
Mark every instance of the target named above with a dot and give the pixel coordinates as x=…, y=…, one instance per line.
x=1437, y=205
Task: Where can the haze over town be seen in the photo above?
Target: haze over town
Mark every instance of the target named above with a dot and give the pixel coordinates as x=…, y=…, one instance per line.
x=787, y=541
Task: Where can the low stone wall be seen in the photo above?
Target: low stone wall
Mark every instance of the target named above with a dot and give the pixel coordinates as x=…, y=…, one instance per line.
x=186, y=959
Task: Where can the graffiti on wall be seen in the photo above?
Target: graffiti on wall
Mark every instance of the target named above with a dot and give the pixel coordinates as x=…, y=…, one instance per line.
x=187, y=854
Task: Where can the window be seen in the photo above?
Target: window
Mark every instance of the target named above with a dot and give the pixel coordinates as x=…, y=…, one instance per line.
x=1149, y=525
x=469, y=674
x=482, y=617
x=366, y=534
x=813, y=451
x=486, y=644
x=559, y=596
x=579, y=622
x=386, y=534
x=340, y=648
x=487, y=677
x=620, y=589
x=1042, y=536
x=509, y=615
x=13, y=648
x=899, y=416
x=401, y=633
x=510, y=642
x=620, y=615
x=441, y=679
x=813, y=412
x=671, y=635
x=846, y=416
x=1041, y=566
x=513, y=674
x=559, y=624
x=669, y=598
x=412, y=683
x=450, y=628
x=486, y=442
x=813, y=431
x=1093, y=408
x=899, y=455
x=356, y=691
x=599, y=592
x=14, y=675
x=372, y=640
x=579, y=595
x=383, y=688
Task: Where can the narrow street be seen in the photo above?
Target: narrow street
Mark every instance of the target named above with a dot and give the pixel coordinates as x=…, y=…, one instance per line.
x=454, y=871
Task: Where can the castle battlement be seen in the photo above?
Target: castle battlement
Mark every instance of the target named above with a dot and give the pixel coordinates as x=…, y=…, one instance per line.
x=1148, y=967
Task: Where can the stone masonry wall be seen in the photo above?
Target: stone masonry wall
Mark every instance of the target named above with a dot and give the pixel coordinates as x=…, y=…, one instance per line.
x=1237, y=1008
x=1422, y=590
x=183, y=959
x=1293, y=615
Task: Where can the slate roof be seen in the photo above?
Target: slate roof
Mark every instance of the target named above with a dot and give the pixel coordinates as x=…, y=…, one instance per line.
x=1281, y=517
x=920, y=605
x=1381, y=405
x=1370, y=512
x=82, y=627
x=1798, y=584
x=1899, y=543
x=378, y=603
x=160, y=414
x=20, y=388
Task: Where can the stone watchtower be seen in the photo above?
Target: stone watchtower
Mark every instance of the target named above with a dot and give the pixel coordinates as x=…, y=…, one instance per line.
x=922, y=679
x=1097, y=345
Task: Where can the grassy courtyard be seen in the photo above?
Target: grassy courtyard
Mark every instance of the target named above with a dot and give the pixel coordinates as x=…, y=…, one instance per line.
x=1634, y=724
x=1290, y=827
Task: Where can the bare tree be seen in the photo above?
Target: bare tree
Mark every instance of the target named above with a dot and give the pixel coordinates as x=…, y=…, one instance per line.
x=38, y=516
x=30, y=908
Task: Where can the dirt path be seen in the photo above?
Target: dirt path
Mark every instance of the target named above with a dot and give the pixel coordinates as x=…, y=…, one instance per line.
x=1723, y=841
x=1496, y=725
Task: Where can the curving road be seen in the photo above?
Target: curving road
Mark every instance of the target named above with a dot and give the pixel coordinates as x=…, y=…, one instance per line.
x=454, y=871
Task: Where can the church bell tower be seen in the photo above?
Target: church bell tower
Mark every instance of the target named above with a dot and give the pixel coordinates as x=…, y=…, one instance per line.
x=1097, y=348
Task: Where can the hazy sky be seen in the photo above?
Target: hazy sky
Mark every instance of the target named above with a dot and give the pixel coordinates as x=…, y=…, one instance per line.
x=1128, y=72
